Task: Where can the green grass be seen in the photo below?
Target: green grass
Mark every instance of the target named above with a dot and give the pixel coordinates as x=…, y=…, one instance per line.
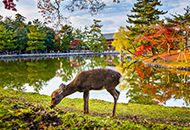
x=20, y=110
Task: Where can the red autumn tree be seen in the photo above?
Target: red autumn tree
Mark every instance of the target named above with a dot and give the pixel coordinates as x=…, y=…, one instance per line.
x=157, y=38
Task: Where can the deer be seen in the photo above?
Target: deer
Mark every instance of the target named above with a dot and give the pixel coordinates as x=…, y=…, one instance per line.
x=95, y=79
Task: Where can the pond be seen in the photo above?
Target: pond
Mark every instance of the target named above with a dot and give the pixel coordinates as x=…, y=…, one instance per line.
x=139, y=83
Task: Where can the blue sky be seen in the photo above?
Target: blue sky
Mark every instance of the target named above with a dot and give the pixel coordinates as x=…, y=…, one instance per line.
x=112, y=16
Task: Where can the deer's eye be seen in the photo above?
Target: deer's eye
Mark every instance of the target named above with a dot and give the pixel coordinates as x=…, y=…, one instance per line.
x=53, y=98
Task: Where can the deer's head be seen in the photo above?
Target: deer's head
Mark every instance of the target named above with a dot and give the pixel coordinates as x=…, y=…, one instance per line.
x=57, y=96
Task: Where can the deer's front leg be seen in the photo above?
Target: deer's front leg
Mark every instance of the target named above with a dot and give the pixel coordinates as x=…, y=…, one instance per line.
x=86, y=97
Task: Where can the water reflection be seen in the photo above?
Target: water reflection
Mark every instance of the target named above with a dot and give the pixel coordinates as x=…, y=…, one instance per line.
x=149, y=85
x=140, y=84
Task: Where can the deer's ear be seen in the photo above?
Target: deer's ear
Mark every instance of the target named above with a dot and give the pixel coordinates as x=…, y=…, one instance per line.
x=62, y=86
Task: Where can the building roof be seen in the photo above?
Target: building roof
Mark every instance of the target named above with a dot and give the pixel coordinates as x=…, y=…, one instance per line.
x=108, y=36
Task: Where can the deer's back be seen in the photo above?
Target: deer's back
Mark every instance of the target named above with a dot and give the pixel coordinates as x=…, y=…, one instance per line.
x=96, y=79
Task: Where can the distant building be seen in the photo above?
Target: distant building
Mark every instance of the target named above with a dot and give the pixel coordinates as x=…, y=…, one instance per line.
x=109, y=38
x=74, y=43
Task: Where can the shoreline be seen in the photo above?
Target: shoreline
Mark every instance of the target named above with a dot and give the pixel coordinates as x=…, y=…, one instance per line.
x=168, y=61
x=51, y=55
x=169, y=67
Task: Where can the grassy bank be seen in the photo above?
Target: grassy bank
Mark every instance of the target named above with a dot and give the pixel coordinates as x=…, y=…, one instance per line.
x=173, y=61
x=31, y=111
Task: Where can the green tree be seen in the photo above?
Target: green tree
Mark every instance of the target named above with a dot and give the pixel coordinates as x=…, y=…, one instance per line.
x=36, y=37
x=66, y=35
x=145, y=12
x=50, y=39
x=182, y=22
x=19, y=19
x=83, y=38
x=20, y=31
x=7, y=41
x=95, y=40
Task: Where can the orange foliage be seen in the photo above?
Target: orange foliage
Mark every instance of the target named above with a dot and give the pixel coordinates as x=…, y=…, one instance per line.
x=159, y=36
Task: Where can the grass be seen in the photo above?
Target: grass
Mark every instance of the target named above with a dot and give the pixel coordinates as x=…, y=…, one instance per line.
x=20, y=110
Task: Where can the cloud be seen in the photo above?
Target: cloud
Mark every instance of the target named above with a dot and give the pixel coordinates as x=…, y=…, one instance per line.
x=112, y=16
x=80, y=21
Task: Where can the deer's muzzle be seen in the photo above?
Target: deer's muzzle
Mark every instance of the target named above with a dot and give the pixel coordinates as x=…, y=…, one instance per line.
x=52, y=106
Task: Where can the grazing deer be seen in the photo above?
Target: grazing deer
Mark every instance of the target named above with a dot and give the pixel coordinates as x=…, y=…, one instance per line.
x=96, y=79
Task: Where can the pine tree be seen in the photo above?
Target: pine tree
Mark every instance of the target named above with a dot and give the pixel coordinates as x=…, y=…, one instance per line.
x=95, y=40
x=7, y=41
x=145, y=12
x=66, y=34
x=182, y=22
x=36, y=39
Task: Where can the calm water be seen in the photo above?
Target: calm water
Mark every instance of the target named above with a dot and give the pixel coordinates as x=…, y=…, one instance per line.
x=139, y=83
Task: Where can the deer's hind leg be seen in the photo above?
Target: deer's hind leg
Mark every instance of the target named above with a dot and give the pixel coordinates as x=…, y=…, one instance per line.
x=115, y=93
x=86, y=98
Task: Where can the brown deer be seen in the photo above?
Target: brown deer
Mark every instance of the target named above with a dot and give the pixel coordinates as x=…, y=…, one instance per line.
x=95, y=79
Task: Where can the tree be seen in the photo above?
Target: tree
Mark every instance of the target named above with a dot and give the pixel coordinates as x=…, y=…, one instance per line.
x=121, y=41
x=15, y=33
x=7, y=41
x=144, y=15
x=19, y=18
x=78, y=38
x=21, y=38
x=50, y=39
x=66, y=35
x=145, y=12
x=36, y=37
x=17, y=37
x=92, y=5
x=52, y=10
x=95, y=41
x=182, y=22
x=20, y=31
x=157, y=38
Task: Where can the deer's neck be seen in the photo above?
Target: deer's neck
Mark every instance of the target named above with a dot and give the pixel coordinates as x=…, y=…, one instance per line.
x=69, y=89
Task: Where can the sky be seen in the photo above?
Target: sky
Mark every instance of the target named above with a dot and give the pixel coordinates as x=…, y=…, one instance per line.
x=112, y=16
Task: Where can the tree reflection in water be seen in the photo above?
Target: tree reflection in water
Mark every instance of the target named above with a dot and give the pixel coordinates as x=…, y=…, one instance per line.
x=150, y=85
x=18, y=74
x=146, y=85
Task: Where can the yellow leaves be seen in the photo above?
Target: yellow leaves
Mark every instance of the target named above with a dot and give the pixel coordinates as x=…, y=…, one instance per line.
x=121, y=42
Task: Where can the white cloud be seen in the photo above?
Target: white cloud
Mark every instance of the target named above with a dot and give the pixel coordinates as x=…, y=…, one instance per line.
x=113, y=16
x=110, y=22
x=80, y=21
